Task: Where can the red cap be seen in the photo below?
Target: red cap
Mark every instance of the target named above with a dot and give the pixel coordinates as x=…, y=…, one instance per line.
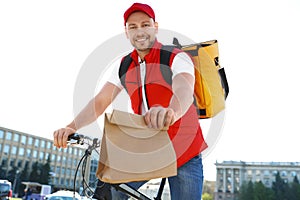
x=139, y=7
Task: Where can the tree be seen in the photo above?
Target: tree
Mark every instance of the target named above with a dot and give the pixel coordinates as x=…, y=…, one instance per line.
x=35, y=173
x=261, y=192
x=280, y=188
x=294, y=192
x=246, y=191
x=207, y=196
x=23, y=177
x=45, y=172
x=2, y=172
x=12, y=174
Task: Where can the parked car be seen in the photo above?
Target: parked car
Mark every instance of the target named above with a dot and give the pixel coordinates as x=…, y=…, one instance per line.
x=5, y=190
x=63, y=195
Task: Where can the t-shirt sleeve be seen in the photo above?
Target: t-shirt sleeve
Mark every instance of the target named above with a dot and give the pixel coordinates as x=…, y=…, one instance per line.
x=114, y=76
x=182, y=63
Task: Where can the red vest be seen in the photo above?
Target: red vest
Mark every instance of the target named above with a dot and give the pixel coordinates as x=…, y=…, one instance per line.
x=186, y=134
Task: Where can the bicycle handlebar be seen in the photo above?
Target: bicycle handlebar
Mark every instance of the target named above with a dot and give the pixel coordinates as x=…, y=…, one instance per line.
x=75, y=138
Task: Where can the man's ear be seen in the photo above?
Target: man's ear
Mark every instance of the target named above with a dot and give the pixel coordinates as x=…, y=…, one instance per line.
x=156, y=27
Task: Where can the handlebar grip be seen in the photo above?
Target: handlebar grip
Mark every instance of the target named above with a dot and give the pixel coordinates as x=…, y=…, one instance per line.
x=75, y=138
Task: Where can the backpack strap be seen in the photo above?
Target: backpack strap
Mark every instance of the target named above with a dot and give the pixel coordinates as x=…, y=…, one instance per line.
x=224, y=81
x=124, y=68
x=165, y=55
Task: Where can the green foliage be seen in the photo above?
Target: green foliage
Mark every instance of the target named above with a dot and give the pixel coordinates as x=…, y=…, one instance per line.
x=261, y=192
x=35, y=172
x=2, y=172
x=281, y=190
x=45, y=172
x=207, y=196
x=39, y=173
x=246, y=191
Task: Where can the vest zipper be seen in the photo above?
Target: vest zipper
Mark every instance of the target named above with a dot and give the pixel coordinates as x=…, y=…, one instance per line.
x=145, y=85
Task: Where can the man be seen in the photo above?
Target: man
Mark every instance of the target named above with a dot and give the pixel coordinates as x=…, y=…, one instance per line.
x=161, y=103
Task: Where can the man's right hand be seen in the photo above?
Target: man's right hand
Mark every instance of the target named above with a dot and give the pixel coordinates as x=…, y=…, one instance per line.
x=60, y=136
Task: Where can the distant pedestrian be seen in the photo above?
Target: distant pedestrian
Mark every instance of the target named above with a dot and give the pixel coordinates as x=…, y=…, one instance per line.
x=28, y=193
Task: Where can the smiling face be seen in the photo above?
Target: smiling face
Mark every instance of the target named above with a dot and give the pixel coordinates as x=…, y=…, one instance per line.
x=141, y=30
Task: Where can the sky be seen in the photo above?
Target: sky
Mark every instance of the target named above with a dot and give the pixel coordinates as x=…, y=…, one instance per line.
x=44, y=46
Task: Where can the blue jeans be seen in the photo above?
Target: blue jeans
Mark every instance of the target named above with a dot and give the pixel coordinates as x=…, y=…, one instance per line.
x=186, y=185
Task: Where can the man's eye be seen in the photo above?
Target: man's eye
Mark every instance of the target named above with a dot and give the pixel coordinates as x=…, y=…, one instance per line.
x=132, y=27
x=146, y=25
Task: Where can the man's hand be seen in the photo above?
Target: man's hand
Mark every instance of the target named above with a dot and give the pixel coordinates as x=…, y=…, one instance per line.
x=60, y=136
x=159, y=117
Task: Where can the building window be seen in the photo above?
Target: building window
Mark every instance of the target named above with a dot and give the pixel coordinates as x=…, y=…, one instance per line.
x=70, y=161
x=8, y=136
x=41, y=155
x=43, y=144
x=4, y=162
x=21, y=151
x=49, y=144
x=293, y=173
x=12, y=162
x=53, y=157
x=14, y=150
x=36, y=142
x=16, y=137
x=63, y=170
x=23, y=139
x=68, y=172
x=257, y=172
x=67, y=182
x=267, y=182
x=30, y=140
x=47, y=156
x=283, y=173
x=266, y=173
x=57, y=171
x=35, y=153
x=1, y=134
x=6, y=149
x=19, y=163
x=28, y=153
x=74, y=161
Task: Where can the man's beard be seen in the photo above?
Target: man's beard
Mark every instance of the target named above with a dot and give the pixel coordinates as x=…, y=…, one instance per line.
x=146, y=48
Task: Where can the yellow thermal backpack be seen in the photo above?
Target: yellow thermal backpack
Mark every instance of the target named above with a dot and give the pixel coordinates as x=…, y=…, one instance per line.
x=211, y=86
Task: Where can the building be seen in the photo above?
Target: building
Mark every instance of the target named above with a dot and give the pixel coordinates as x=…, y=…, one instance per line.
x=232, y=174
x=17, y=149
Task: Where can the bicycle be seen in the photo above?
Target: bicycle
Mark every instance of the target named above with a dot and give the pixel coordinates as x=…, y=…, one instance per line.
x=93, y=145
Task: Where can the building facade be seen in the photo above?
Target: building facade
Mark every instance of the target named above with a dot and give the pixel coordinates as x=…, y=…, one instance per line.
x=17, y=149
x=232, y=174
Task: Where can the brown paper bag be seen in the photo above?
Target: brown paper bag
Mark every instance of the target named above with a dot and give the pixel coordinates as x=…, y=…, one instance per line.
x=130, y=151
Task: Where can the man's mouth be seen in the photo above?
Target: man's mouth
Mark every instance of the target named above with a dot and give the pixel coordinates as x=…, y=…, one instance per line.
x=141, y=39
